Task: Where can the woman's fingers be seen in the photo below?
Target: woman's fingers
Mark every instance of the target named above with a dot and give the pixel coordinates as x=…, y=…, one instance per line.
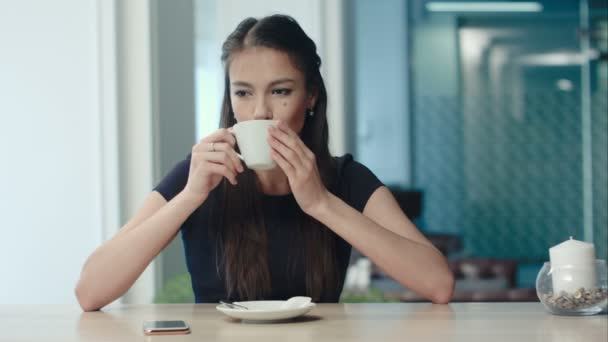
x=221, y=135
x=285, y=152
x=221, y=141
x=283, y=164
x=221, y=169
x=221, y=158
x=288, y=145
x=208, y=159
x=212, y=159
x=230, y=153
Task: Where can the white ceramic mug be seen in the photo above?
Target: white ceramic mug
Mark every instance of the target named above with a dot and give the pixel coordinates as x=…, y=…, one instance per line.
x=252, y=138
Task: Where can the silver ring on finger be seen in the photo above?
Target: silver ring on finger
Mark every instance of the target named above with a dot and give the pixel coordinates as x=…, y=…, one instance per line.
x=213, y=147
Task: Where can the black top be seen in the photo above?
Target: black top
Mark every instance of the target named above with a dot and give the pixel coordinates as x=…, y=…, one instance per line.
x=354, y=184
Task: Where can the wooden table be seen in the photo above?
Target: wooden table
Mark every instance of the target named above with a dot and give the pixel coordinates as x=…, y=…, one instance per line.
x=411, y=322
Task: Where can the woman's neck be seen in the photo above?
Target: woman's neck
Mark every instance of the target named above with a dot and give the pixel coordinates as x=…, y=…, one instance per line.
x=273, y=181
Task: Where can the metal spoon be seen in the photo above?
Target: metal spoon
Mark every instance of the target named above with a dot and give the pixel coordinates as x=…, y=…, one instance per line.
x=234, y=305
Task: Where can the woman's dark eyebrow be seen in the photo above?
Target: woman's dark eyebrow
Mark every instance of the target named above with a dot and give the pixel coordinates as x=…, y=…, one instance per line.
x=282, y=80
x=242, y=84
x=273, y=83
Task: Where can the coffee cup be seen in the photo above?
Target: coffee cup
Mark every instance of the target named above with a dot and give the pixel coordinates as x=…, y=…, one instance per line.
x=252, y=138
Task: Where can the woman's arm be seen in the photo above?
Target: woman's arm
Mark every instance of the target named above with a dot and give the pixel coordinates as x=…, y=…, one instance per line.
x=113, y=267
x=382, y=232
x=391, y=241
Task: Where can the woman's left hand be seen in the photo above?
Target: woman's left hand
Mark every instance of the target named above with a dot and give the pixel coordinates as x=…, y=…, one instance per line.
x=300, y=165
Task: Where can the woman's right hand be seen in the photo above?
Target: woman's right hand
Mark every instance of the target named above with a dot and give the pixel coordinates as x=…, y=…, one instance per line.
x=212, y=159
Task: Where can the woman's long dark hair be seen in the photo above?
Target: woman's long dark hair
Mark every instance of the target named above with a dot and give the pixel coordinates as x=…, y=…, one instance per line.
x=242, y=236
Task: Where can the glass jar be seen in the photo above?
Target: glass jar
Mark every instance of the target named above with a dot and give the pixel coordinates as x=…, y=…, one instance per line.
x=577, y=300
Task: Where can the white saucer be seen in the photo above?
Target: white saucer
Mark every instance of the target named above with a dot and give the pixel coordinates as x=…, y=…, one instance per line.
x=264, y=310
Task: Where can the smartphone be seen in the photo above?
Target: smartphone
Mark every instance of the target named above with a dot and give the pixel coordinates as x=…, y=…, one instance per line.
x=165, y=327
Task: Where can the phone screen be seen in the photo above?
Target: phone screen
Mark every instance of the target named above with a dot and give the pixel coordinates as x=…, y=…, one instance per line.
x=164, y=325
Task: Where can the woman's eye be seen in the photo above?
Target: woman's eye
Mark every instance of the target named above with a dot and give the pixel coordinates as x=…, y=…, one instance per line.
x=240, y=93
x=281, y=91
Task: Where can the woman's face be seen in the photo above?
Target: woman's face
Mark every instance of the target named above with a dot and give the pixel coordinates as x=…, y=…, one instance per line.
x=264, y=84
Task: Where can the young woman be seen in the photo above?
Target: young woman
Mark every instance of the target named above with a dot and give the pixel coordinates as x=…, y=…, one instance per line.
x=276, y=233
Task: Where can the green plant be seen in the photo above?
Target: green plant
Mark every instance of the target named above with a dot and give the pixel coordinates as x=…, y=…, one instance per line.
x=176, y=290
x=373, y=295
x=179, y=290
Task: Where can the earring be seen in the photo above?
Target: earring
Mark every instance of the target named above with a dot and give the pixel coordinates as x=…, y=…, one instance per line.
x=311, y=112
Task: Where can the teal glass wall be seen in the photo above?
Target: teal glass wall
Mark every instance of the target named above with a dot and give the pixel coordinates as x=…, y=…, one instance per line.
x=498, y=127
x=506, y=123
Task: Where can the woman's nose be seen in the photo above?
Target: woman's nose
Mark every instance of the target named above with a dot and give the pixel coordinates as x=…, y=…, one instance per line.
x=262, y=111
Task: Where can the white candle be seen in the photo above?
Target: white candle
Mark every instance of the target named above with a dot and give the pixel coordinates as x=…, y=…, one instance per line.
x=572, y=266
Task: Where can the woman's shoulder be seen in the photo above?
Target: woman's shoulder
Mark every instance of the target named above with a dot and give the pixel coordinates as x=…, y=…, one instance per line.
x=347, y=166
x=354, y=182
x=175, y=180
x=340, y=161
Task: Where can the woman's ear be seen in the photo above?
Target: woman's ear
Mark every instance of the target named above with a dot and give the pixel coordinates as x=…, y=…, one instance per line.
x=312, y=99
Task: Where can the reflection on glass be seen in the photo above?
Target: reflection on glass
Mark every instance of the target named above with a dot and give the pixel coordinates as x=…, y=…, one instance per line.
x=505, y=124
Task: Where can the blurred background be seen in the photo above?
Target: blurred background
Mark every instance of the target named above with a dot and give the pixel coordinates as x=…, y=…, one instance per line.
x=487, y=120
